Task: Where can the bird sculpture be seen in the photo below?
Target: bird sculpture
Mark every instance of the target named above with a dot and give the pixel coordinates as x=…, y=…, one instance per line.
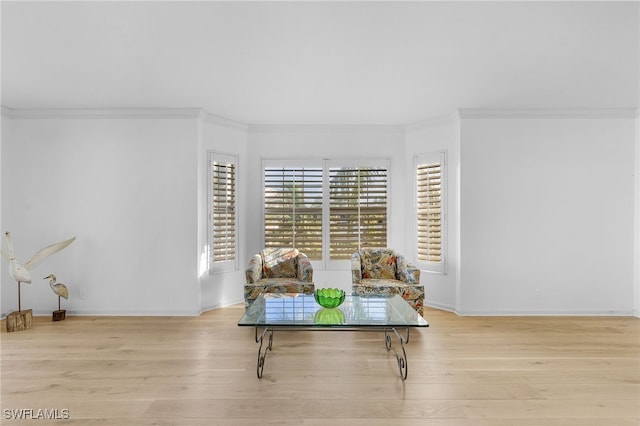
x=58, y=288
x=20, y=273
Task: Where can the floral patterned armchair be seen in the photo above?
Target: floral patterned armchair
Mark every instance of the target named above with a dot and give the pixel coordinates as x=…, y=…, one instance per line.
x=278, y=270
x=383, y=271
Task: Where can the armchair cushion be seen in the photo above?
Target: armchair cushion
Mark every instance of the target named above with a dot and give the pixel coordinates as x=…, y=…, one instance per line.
x=278, y=270
x=382, y=271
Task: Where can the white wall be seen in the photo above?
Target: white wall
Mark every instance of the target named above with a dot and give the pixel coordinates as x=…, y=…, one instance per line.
x=636, y=287
x=226, y=137
x=277, y=142
x=547, y=206
x=126, y=188
x=4, y=132
x=432, y=136
x=530, y=199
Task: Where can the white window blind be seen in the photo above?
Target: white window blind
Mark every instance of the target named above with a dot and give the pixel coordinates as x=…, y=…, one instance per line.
x=327, y=208
x=430, y=210
x=357, y=209
x=223, y=215
x=293, y=209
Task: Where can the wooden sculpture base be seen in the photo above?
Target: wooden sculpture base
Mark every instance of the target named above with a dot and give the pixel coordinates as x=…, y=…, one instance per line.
x=59, y=315
x=19, y=320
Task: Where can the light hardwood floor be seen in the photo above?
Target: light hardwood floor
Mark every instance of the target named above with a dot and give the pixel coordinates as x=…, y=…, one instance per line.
x=202, y=371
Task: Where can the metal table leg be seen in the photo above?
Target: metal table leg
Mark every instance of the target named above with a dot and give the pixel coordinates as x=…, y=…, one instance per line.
x=400, y=357
x=263, y=354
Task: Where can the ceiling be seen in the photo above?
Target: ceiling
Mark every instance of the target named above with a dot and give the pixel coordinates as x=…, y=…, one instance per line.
x=374, y=63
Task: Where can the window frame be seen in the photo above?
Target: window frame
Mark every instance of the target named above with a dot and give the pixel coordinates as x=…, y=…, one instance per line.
x=439, y=157
x=326, y=164
x=232, y=264
x=345, y=264
x=294, y=165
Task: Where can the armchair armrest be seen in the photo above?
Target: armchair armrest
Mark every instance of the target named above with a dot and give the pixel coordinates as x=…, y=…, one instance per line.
x=356, y=268
x=254, y=270
x=406, y=271
x=305, y=270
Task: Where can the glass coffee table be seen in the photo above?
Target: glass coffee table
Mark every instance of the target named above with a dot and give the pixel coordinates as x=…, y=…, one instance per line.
x=388, y=313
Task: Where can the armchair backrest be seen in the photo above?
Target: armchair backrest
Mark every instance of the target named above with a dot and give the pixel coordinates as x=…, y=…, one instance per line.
x=279, y=262
x=283, y=262
x=380, y=263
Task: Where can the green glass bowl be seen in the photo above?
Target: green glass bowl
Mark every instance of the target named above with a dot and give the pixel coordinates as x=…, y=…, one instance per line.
x=329, y=297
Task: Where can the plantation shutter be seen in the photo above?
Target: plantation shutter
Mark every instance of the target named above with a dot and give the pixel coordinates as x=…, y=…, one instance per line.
x=293, y=209
x=429, y=208
x=223, y=211
x=357, y=209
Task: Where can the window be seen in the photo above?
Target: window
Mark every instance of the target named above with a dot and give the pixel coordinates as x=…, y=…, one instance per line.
x=357, y=209
x=430, y=203
x=293, y=209
x=223, y=214
x=327, y=209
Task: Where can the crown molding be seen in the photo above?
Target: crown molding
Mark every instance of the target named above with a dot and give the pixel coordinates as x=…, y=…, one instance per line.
x=548, y=113
x=109, y=113
x=433, y=122
x=199, y=113
x=120, y=113
x=326, y=128
x=222, y=121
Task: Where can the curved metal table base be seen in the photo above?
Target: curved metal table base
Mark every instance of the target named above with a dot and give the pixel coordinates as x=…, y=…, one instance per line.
x=263, y=354
x=401, y=356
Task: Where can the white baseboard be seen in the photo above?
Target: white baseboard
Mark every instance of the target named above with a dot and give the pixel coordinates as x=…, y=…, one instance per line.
x=118, y=313
x=585, y=313
x=540, y=313
x=440, y=306
x=134, y=313
x=221, y=305
x=169, y=313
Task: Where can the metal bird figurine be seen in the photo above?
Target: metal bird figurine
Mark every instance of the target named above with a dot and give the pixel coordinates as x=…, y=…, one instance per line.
x=58, y=288
x=20, y=273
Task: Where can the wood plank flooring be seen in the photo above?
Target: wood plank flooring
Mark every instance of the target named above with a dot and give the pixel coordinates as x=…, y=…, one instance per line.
x=189, y=371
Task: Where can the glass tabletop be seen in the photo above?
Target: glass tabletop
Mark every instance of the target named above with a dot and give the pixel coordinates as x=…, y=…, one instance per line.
x=301, y=310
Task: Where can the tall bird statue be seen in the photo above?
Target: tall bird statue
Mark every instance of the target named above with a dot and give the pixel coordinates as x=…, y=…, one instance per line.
x=58, y=288
x=20, y=273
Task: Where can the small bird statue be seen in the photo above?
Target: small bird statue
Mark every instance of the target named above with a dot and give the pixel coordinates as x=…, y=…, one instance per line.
x=58, y=288
x=20, y=273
